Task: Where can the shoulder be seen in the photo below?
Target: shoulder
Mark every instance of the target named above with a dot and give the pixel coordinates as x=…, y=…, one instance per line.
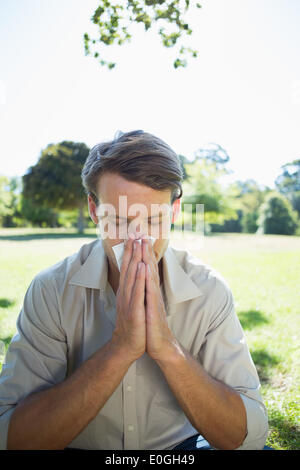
x=58, y=274
x=43, y=298
x=206, y=277
x=217, y=298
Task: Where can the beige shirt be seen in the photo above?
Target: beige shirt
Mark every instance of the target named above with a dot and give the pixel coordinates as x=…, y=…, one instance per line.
x=69, y=312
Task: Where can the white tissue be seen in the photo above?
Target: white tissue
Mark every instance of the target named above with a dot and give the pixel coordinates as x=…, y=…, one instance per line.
x=119, y=251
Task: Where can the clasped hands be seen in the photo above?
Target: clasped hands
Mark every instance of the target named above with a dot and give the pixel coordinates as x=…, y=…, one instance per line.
x=141, y=324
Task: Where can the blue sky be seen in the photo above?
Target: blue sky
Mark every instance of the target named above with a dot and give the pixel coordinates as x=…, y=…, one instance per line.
x=242, y=92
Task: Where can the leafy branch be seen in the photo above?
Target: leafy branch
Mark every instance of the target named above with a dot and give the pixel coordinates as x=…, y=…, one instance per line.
x=113, y=19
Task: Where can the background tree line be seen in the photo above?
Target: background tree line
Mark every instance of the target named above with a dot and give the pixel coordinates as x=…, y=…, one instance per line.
x=50, y=194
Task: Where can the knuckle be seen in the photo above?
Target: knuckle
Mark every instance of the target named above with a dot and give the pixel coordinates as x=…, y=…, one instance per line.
x=128, y=245
x=137, y=252
x=141, y=270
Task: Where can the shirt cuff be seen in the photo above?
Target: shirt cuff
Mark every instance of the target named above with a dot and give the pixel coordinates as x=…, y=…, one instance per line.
x=257, y=424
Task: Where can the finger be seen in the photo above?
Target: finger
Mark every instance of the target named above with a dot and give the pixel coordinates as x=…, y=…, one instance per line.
x=138, y=292
x=151, y=288
x=153, y=257
x=149, y=258
x=154, y=300
x=145, y=250
x=131, y=271
x=128, y=248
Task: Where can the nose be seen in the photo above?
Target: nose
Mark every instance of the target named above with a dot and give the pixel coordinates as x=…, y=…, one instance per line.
x=138, y=234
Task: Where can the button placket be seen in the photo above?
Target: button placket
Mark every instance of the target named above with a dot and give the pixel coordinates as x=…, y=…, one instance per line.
x=129, y=409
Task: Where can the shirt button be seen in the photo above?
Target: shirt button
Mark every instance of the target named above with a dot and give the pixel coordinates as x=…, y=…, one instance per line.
x=129, y=388
x=130, y=427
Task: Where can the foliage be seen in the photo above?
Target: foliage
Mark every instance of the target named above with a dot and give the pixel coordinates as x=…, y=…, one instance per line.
x=10, y=189
x=289, y=180
x=202, y=187
x=277, y=216
x=249, y=222
x=250, y=195
x=55, y=181
x=229, y=225
x=113, y=18
x=39, y=216
x=288, y=183
x=213, y=153
x=5, y=198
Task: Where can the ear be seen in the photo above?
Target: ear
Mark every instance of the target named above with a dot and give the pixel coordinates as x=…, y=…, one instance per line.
x=176, y=206
x=92, y=209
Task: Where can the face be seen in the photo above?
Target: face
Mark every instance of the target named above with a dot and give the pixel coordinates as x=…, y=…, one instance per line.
x=127, y=207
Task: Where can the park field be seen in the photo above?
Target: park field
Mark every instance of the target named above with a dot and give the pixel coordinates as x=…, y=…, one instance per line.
x=263, y=272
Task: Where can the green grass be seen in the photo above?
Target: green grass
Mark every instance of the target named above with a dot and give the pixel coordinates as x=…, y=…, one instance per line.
x=262, y=271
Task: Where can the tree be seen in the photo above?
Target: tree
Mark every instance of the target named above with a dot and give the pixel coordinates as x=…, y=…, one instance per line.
x=202, y=186
x=6, y=199
x=113, y=17
x=276, y=216
x=288, y=183
x=249, y=195
x=213, y=153
x=38, y=216
x=10, y=189
x=55, y=181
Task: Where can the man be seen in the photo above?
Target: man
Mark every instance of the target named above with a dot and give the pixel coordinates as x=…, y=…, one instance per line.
x=148, y=357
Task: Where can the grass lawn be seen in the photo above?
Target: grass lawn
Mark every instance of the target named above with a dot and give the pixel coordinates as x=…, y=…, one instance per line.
x=263, y=272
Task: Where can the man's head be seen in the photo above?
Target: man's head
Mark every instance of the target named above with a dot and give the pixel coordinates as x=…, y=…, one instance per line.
x=138, y=177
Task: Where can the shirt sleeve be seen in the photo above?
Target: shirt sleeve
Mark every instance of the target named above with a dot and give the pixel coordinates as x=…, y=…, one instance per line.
x=36, y=357
x=224, y=354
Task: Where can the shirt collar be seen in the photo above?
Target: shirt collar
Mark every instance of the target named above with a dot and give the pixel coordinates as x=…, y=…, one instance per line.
x=178, y=286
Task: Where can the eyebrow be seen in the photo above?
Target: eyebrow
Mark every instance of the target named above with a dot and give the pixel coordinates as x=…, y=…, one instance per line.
x=160, y=215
